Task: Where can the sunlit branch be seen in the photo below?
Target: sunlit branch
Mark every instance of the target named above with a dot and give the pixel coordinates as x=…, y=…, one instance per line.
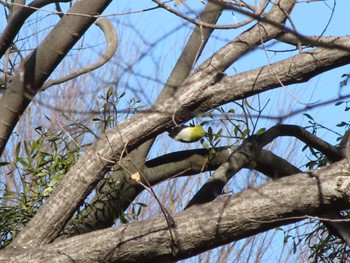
x=111, y=47
x=223, y=221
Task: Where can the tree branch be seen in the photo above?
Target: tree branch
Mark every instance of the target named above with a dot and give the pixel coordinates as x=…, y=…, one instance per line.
x=241, y=157
x=112, y=44
x=211, y=71
x=152, y=123
x=198, y=229
x=247, y=153
x=121, y=191
x=37, y=67
x=191, y=52
x=116, y=195
x=192, y=162
x=207, y=24
x=297, y=69
x=17, y=20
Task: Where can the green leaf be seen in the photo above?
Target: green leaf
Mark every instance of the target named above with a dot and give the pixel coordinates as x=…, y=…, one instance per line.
x=41, y=174
x=218, y=134
x=308, y=116
x=22, y=161
x=205, y=145
x=18, y=149
x=52, y=183
x=4, y=163
x=9, y=193
x=210, y=133
x=261, y=131
x=305, y=147
x=245, y=133
x=121, y=95
x=26, y=149
x=48, y=191
x=236, y=130
x=342, y=124
x=110, y=92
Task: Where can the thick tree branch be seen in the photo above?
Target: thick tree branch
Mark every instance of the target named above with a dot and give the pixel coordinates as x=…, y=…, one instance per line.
x=308, y=41
x=297, y=69
x=340, y=229
x=337, y=225
x=331, y=152
x=211, y=71
x=153, y=123
x=241, y=157
x=207, y=226
x=123, y=191
x=114, y=197
x=192, y=162
x=184, y=163
x=37, y=67
x=247, y=153
x=191, y=52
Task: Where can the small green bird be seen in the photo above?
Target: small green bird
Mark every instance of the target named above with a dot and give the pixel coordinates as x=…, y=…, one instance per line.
x=187, y=134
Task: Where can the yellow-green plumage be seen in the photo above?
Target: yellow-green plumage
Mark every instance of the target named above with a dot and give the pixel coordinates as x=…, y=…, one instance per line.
x=187, y=134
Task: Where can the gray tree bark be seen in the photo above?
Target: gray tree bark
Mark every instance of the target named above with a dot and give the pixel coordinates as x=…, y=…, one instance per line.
x=202, y=227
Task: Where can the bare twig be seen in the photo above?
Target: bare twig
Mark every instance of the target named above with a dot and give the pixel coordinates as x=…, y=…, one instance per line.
x=17, y=20
x=251, y=16
x=111, y=47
